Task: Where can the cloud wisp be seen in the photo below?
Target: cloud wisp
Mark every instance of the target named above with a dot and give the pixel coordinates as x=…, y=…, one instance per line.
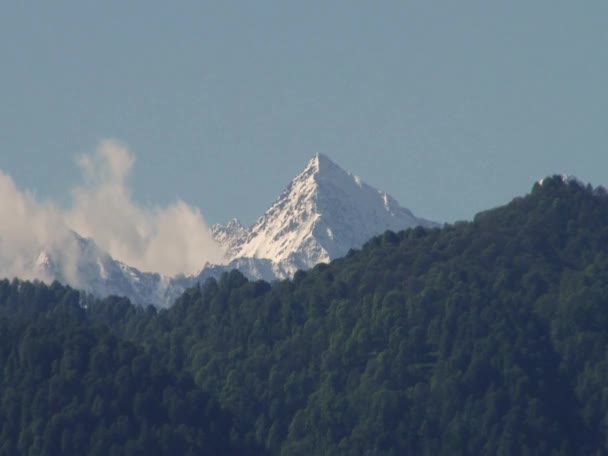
x=170, y=240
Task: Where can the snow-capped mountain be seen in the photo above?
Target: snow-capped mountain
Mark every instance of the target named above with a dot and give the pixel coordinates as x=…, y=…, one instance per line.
x=230, y=236
x=323, y=212
x=80, y=263
x=320, y=215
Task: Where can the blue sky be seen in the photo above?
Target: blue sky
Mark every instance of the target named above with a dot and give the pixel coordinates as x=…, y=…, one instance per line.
x=452, y=108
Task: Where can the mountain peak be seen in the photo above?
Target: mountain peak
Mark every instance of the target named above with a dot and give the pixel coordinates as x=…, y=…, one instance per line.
x=322, y=161
x=235, y=224
x=229, y=236
x=565, y=179
x=320, y=165
x=320, y=215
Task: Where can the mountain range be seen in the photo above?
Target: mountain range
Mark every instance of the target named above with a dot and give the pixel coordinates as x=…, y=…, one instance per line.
x=322, y=214
x=485, y=337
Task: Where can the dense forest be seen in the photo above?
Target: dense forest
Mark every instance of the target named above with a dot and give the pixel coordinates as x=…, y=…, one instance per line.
x=69, y=386
x=483, y=337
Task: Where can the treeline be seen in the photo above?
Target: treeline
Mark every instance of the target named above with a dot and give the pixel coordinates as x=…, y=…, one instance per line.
x=486, y=337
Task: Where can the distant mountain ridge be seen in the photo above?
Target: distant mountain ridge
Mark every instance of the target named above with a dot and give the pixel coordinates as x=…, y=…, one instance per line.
x=230, y=236
x=80, y=263
x=320, y=215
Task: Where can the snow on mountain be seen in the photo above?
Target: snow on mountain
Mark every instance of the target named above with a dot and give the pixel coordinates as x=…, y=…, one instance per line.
x=230, y=236
x=323, y=212
x=80, y=263
x=45, y=267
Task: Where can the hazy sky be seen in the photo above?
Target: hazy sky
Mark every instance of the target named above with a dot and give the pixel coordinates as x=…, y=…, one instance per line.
x=451, y=107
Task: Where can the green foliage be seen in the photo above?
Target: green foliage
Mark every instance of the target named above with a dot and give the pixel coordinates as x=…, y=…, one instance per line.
x=488, y=337
x=69, y=386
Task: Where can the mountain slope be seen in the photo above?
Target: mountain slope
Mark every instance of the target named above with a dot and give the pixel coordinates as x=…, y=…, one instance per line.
x=485, y=337
x=79, y=262
x=230, y=236
x=71, y=386
x=322, y=213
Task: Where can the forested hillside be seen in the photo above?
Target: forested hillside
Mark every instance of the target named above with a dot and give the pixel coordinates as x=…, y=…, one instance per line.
x=71, y=387
x=484, y=337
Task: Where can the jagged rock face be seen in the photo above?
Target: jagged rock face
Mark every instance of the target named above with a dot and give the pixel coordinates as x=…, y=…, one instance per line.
x=322, y=213
x=230, y=236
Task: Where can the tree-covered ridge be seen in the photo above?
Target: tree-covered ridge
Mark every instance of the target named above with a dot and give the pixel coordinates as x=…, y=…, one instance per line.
x=484, y=337
x=69, y=387
x=453, y=341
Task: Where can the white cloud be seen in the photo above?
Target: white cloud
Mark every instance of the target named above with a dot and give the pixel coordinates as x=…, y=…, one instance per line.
x=112, y=163
x=169, y=240
x=25, y=226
